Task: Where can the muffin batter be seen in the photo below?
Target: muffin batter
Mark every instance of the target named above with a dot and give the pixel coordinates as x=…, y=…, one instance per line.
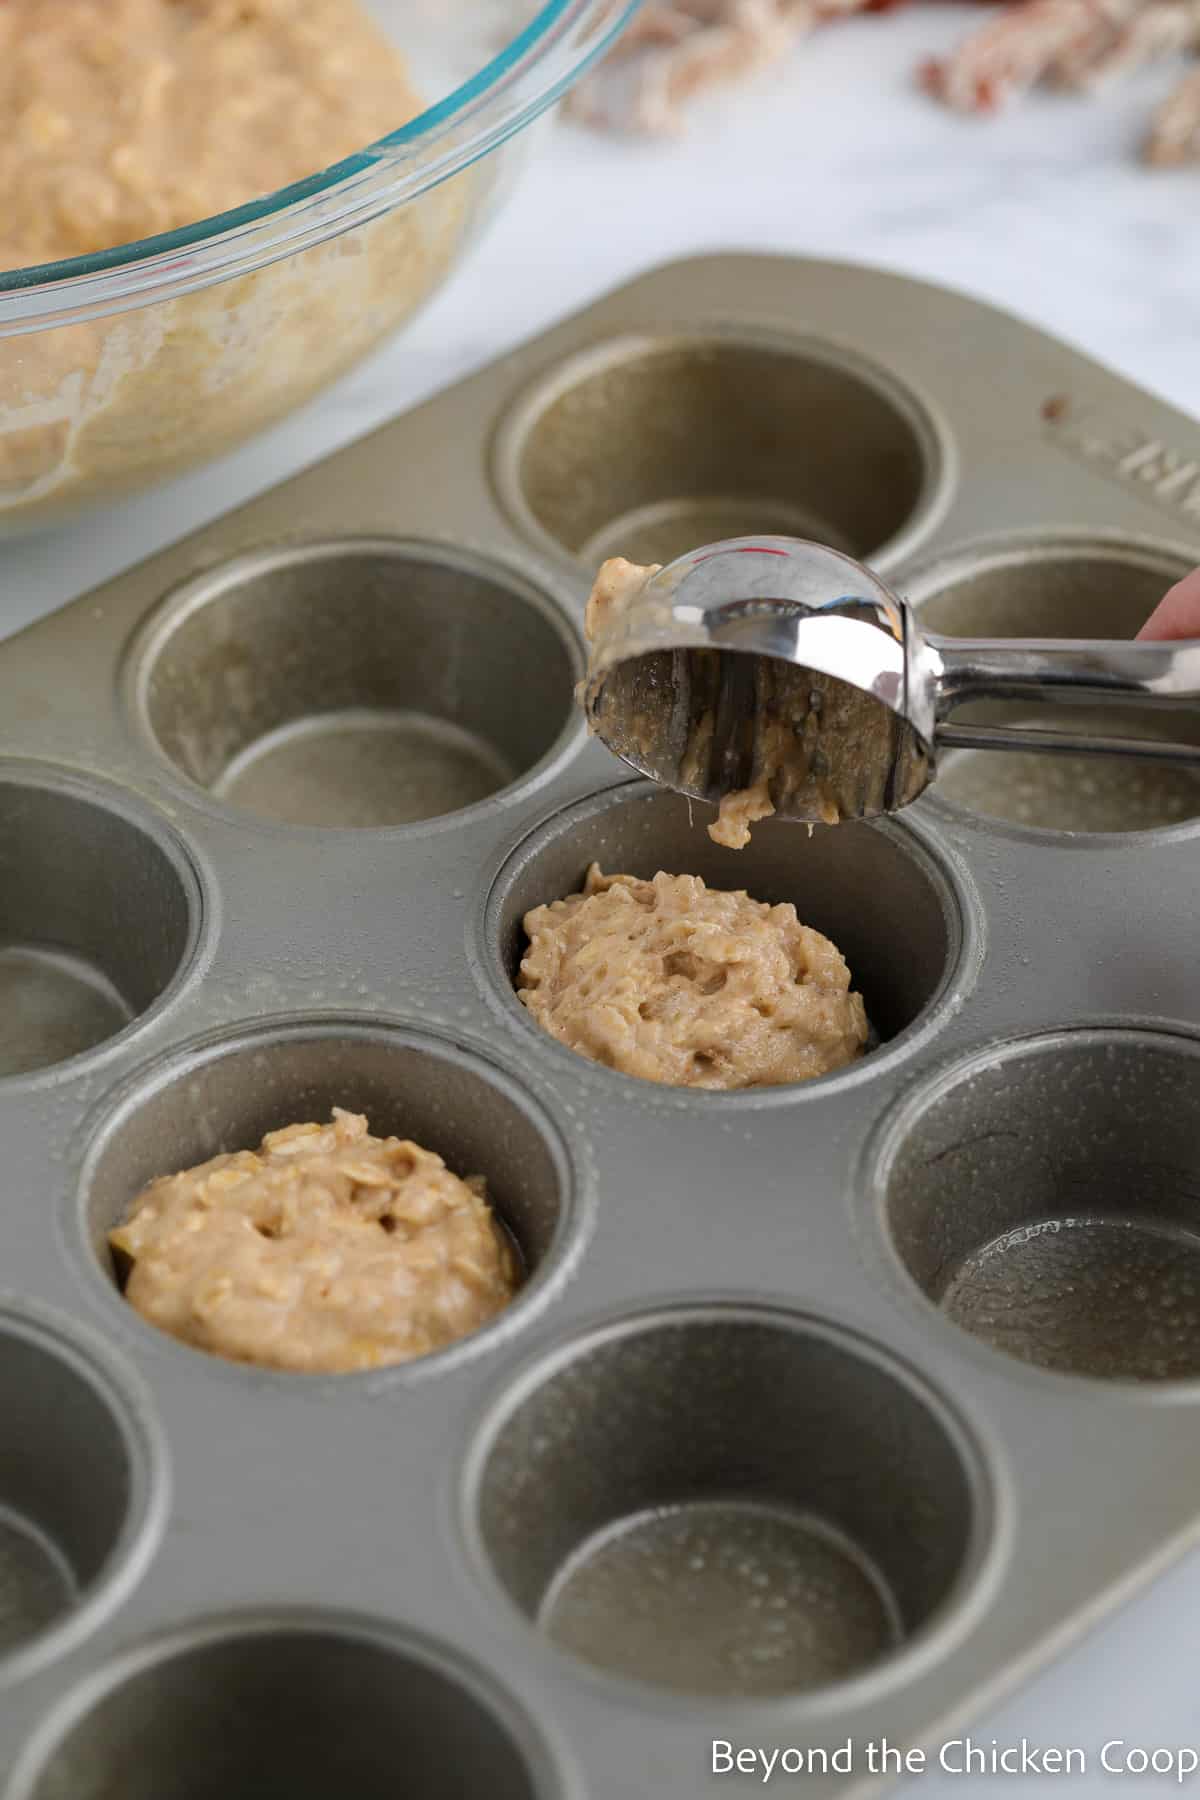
x=124, y=118
x=325, y=1250
x=740, y=810
x=680, y=983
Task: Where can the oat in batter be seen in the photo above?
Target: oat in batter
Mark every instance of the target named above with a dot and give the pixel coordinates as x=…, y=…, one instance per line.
x=681, y=983
x=325, y=1250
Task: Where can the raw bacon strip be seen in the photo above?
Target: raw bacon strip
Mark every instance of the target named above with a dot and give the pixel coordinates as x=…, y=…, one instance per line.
x=676, y=48
x=1075, y=68
x=1175, y=135
x=1162, y=29
x=1026, y=43
x=673, y=51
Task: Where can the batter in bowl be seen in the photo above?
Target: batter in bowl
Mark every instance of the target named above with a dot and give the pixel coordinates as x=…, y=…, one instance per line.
x=325, y=1250
x=680, y=983
x=124, y=118
x=127, y=118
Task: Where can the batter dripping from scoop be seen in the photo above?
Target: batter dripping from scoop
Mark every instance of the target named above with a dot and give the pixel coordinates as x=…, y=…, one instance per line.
x=676, y=982
x=792, y=712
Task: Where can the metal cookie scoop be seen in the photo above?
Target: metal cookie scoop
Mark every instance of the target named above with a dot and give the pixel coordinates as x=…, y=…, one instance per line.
x=785, y=676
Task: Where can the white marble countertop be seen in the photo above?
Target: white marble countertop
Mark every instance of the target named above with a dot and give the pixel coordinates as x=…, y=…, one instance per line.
x=1045, y=211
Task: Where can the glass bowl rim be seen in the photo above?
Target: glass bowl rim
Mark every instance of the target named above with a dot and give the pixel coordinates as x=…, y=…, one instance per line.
x=533, y=70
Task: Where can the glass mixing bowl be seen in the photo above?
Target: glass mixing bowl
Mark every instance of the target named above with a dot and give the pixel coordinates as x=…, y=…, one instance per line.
x=121, y=368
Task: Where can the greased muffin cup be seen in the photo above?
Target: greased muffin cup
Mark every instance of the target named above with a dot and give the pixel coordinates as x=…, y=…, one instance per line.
x=828, y=1406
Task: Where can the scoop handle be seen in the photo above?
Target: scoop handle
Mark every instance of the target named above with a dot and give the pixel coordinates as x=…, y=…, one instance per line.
x=1057, y=670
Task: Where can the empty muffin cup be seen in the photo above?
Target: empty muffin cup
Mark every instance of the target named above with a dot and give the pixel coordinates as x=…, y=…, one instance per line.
x=1060, y=588
x=902, y=947
x=729, y=1501
x=647, y=447
x=79, y=1488
x=304, y=1706
x=99, y=909
x=227, y=1093
x=1077, y=793
x=361, y=683
x=1047, y=1197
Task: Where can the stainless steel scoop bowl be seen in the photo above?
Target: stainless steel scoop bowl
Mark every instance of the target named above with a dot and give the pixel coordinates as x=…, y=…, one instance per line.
x=771, y=660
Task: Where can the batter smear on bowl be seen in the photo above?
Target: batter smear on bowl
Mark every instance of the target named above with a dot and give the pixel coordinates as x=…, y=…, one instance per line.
x=680, y=983
x=325, y=1250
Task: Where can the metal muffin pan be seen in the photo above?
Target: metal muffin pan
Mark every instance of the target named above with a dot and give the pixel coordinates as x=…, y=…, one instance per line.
x=859, y=1361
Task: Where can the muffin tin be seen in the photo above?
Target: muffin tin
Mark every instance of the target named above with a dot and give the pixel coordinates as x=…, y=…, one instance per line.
x=826, y=1412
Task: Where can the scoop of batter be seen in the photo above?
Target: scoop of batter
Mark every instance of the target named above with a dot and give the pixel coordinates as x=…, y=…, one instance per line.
x=680, y=983
x=324, y=1250
x=786, y=759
